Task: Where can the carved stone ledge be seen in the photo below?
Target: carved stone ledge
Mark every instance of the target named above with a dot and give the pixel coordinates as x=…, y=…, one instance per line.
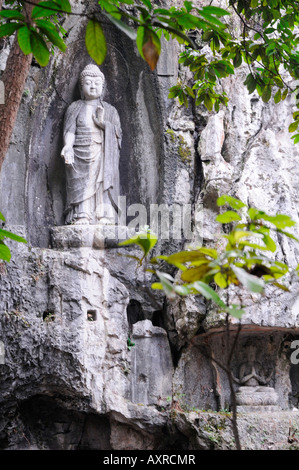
x=257, y=408
x=88, y=236
x=257, y=399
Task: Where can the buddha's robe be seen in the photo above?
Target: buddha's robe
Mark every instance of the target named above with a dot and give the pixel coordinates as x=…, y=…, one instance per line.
x=93, y=178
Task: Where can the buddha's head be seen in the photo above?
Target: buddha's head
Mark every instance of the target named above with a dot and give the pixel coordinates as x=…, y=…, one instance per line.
x=251, y=353
x=92, y=82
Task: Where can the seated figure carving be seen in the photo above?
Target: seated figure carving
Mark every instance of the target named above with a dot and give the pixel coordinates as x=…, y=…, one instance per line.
x=254, y=392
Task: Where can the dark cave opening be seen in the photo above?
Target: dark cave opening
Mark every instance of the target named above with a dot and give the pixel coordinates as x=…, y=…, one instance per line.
x=47, y=425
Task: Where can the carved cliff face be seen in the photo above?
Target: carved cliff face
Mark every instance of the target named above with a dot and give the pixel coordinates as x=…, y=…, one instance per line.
x=66, y=312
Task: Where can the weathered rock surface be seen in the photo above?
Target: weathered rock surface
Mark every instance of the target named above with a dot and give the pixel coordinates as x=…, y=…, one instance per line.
x=71, y=306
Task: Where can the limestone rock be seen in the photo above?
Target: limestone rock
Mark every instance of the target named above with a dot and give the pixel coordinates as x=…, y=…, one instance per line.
x=71, y=298
x=152, y=368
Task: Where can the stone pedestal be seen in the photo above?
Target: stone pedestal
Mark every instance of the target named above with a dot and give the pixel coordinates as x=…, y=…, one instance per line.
x=257, y=399
x=88, y=236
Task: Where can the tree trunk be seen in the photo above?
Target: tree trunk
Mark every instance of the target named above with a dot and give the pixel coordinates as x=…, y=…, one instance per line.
x=14, y=79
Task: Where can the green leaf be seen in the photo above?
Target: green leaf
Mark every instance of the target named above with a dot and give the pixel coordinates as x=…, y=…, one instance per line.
x=227, y=217
x=209, y=18
x=139, y=41
x=285, y=94
x=237, y=61
x=45, y=9
x=130, y=344
x=65, y=6
x=238, y=234
x=287, y=234
x=270, y=244
x=283, y=266
x=220, y=280
x=200, y=262
x=173, y=91
x=183, y=257
x=190, y=91
x=250, y=82
x=235, y=311
x=266, y=95
x=5, y=253
x=9, y=28
x=195, y=274
x=208, y=102
x=207, y=292
x=207, y=36
x=233, y=202
x=131, y=33
x=209, y=251
x=12, y=14
x=216, y=11
x=254, y=213
x=49, y=30
x=167, y=283
x=110, y=8
x=157, y=286
x=12, y=236
x=182, y=290
x=254, y=246
x=279, y=220
x=24, y=40
x=147, y=3
x=146, y=240
x=296, y=138
x=38, y=12
x=293, y=127
x=2, y=217
x=281, y=286
x=95, y=41
x=252, y=283
x=133, y=257
x=39, y=49
x=277, y=97
x=222, y=68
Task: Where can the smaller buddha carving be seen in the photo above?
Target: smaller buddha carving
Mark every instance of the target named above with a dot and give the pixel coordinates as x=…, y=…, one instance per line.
x=254, y=392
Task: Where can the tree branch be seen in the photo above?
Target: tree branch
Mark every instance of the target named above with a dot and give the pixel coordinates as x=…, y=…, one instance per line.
x=13, y=78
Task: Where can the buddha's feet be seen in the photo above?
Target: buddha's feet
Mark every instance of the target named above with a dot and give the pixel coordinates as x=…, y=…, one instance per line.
x=82, y=221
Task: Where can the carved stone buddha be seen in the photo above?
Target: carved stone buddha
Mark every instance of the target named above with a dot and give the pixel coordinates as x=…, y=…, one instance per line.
x=254, y=393
x=92, y=139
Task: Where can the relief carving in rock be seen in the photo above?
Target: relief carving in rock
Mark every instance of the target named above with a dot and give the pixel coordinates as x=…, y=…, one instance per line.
x=254, y=392
x=92, y=140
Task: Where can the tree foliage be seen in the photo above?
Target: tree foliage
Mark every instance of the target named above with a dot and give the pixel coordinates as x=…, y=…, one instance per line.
x=5, y=254
x=212, y=49
x=267, y=42
x=36, y=33
x=246, y=261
